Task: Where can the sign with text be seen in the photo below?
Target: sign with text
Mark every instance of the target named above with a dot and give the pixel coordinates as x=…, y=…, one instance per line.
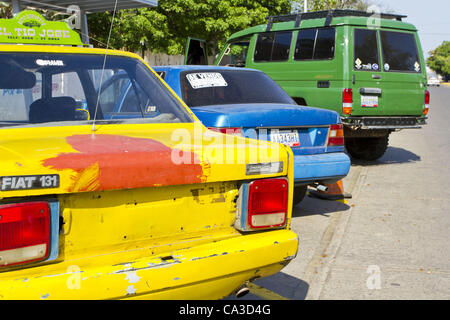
x=30, y=27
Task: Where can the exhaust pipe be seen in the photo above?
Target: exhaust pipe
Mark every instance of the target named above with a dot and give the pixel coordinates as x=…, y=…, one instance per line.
x=320, y=187
x=242, y=291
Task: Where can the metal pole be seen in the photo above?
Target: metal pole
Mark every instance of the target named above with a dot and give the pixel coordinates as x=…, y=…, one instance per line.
x=305, y=5
x=84, y=27
x=15, y=6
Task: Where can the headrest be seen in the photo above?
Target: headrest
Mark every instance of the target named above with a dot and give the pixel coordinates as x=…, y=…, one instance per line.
x=16, y=77
x=53, y=109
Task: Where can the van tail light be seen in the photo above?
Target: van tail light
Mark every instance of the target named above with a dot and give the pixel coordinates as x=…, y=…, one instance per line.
x=427, y=103
x=347, y=101
x=24, y=233
x=264, y=204
x=336, y=135
x=232, y=131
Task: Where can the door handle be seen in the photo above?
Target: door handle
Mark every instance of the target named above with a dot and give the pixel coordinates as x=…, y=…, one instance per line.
x=375, y=91
x=376, y=76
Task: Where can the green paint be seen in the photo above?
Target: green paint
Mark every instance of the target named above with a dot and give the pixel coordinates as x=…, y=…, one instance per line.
x=29, y=27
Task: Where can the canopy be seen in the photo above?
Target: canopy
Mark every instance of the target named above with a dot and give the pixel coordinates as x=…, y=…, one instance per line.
x=88, y=6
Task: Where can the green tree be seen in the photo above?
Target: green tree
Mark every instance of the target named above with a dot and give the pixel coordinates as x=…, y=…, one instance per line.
x=439, y=59
x=5, y=10
x=167, y=27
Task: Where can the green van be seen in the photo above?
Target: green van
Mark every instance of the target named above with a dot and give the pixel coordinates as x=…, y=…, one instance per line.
x=368, y=67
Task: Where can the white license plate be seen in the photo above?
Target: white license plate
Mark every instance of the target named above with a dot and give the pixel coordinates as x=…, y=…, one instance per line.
x=369, y=101
x=287, y=137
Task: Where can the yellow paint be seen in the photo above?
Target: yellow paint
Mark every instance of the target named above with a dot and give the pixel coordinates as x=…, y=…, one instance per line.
x=159, y=242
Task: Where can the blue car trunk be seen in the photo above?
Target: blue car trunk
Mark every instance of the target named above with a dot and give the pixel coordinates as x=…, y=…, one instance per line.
x=304, y=129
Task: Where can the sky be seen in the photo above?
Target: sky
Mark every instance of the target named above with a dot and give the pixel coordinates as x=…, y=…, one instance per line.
x=430, y=17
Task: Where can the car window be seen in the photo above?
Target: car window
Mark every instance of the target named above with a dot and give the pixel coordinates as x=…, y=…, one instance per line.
x=273, y=46
x=15, y=102
x=281, y=46
x=399, y=51
x=317, y=44
x=46, y=88
x=304, y=47
x=113, y=92
x=366, y=50
x=324, y=48
x=226, y=87
x=235, y=55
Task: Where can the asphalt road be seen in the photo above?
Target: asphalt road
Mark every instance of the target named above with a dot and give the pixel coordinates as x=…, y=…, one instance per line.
x=392, y=239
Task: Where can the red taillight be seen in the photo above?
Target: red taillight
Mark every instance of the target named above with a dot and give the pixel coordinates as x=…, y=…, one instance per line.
x=336, y=135
x=347, y=101
x=427, y=102
x=232, y=131
x=24, y=232
x=267, y=203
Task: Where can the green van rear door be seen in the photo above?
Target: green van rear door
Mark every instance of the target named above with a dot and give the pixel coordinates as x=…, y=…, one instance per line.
x=388, y=73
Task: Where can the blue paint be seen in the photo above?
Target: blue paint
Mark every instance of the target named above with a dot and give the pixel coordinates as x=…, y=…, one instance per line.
x=328, y=166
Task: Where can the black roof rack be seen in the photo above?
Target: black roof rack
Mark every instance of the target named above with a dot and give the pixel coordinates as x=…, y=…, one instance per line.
x=329, y=15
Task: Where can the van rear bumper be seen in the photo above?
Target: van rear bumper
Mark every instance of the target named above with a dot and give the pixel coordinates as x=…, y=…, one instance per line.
x=392, y=123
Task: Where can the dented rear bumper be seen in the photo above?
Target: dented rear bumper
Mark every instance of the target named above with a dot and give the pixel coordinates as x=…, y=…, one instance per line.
x=208, y=271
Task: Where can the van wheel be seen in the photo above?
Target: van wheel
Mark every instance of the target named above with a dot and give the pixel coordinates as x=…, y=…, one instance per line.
x=299, y=194
x=367, y=149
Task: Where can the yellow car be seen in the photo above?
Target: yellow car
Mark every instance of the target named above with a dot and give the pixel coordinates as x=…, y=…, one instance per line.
x=145, y=203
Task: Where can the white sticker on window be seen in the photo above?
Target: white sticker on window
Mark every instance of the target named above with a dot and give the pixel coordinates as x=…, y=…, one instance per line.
x=417, y=66
x=45, y=63
x=206, y=80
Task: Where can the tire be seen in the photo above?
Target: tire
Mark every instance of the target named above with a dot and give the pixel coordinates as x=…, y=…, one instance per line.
x=367, y=149
x=299, y=194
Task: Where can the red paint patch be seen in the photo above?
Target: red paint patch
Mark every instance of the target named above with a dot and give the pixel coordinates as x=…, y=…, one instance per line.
x=124, y=163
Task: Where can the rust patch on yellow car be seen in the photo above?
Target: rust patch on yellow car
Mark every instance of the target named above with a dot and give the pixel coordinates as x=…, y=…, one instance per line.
x=106, y=162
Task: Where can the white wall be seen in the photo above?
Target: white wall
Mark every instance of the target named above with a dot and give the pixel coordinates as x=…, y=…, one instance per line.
x=159, y=59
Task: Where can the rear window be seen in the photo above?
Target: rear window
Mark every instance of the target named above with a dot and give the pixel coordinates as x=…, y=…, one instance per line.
x=366, y=50
x=41, y=88
x=273, y=46
x=400, y=52
x=226, y=87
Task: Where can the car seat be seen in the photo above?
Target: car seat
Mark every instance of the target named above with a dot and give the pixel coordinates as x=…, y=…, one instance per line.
x=52, y=109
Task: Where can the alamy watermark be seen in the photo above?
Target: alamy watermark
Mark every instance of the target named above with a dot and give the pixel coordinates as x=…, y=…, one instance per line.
x=217, y=148
x=374, y=21
x=373, y=282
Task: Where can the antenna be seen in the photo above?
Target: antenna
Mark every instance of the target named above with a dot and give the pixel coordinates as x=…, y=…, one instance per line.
x=103, y=68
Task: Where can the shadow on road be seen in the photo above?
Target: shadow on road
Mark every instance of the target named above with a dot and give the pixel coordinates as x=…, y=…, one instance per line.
x=393, y=155
x=285, y=285
x=314, y=206
x=281, y=284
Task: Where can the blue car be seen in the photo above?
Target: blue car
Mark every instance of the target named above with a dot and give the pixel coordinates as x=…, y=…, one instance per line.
x=249, y=103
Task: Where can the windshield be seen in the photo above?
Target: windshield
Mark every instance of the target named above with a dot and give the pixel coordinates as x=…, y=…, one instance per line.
x=226, y=87
x=235, y=55
x=46, y=88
